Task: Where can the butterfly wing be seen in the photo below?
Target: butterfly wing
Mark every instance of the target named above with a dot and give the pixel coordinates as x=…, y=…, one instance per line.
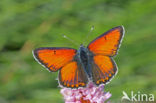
x=71, y=72
x=73, y=75
x=101, y=50
x=108, y=43
x=103, y=69
x=54, y=58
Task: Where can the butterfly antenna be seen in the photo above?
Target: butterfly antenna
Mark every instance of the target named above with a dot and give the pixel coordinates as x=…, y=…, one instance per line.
x=64, y=36
x=85, y=40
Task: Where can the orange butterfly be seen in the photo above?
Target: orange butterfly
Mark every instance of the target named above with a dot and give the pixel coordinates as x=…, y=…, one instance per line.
x=77, y=67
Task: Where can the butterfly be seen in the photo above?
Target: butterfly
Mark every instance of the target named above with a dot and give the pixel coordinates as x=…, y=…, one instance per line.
x=78, y=67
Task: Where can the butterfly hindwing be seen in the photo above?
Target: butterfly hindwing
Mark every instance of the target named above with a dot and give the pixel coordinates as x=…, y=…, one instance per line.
x=73, y=75
x=54, y=58
x=108, y=43
x=103, y=69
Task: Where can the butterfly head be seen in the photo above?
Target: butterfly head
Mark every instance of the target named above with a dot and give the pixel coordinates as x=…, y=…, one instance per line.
x=81, y=45
x=82, y=48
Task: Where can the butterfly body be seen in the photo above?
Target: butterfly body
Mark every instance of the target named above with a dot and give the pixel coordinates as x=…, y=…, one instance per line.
x=78, y=67
x=84, y=57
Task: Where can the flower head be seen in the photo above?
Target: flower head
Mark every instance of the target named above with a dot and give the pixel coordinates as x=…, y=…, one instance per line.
x=89, y=94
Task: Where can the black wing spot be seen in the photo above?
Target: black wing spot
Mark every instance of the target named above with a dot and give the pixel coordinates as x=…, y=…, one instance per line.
x=105, y=37
x=54, y=52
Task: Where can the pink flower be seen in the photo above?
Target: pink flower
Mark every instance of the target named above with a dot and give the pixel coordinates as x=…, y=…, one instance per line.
x=90, y=94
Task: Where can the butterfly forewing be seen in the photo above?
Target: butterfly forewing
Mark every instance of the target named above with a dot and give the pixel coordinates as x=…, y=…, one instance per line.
x=54, y=58
x=108, y=43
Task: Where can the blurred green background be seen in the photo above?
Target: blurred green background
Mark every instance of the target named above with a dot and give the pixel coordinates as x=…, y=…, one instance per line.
x=29, y=24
